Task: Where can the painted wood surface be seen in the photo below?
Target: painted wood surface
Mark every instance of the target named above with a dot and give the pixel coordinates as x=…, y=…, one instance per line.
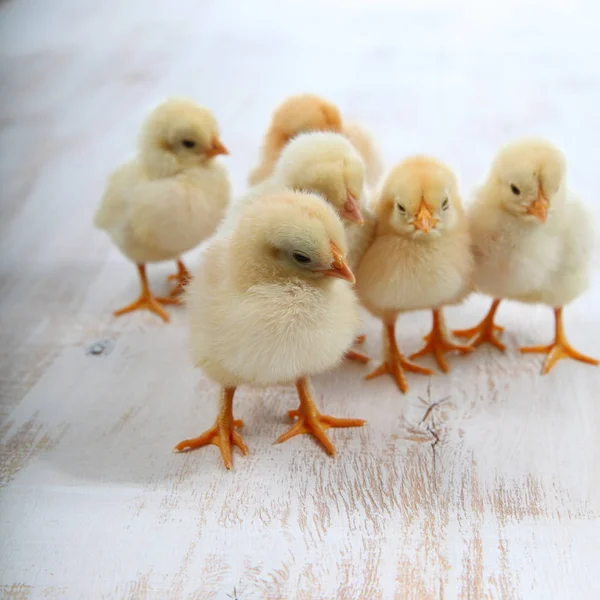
x=481, y=484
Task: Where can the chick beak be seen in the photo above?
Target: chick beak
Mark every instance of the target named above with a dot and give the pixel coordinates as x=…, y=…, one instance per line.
x=339, y=266
x=351, y=210
x=539, y=208
x=424, y=221
x=216, y=148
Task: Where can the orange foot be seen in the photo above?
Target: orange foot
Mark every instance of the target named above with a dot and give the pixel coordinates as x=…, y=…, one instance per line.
x=182, y=278
x=485, y=331
x=147, y=301
x=221, y=434
x=560, y=348
x=354, y=354
x=395, y=363
x=439, y=343
x=310, y=420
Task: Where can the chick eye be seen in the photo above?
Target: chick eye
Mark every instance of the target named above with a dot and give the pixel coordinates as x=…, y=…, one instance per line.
x=301, y=258
x=515, y=190
x=401, y=209
x=445, y=204
x=188, y=143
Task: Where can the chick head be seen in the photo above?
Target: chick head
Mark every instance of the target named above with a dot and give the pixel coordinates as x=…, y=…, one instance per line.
x=526, y=177
x=183, y=132
x=420, y=198
x=327, y=164
x=301, y=114
x=290, y=235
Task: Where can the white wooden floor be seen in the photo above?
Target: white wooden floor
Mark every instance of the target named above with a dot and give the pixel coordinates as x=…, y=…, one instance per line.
x=494, y=492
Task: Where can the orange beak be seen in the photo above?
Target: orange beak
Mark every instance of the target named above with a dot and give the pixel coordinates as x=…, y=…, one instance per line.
x=539, y=208
x=351, y=210
x=216, y=148
x=424, y=221
x=339, y=266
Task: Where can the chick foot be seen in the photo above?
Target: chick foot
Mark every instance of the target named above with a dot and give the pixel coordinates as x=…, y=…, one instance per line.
x=439, y=342
x=310, y=420
x=395, y=363
x=221, y=434
x=147, y=301
x=182, y=278
x=560, y=348
x=354, y=354
x=485, y=331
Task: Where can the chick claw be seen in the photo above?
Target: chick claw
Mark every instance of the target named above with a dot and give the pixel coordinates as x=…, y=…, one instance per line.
x=182, y=278
x=220, y=434
x=316, y=424
x=480, y=334
x=395, y=366
x=357, y=356
x=556, y=351
x=438, y=344
x=148, y=302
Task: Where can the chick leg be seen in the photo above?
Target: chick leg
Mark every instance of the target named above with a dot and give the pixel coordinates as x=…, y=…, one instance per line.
x=439, y=341
x=182, y=278
x=355, y=354
x=395, y=364
x=147, y=300
x=221, y=434
x=485, y=331
x=310, y=420
x=560, y=348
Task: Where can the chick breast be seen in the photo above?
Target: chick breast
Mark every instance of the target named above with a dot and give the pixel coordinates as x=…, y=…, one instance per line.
x=398, y=274
x=530, y=262
x=271, y=333
x=159, y=219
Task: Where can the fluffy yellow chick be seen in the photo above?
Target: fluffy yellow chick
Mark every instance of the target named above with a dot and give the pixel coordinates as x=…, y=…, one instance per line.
x=169, y=198
x=327, y=164
x=271, y=303
x=305, y=113
x=420, y=259
x=532, y=241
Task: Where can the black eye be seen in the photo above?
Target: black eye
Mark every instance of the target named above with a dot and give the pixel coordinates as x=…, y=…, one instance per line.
x=515, y=190
x=445, y=204
x=301, y=258
x=401, y=209
x=188, y=143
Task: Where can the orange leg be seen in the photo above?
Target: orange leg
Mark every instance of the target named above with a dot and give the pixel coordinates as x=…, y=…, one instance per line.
x=439, y=342
x=485, y=331
x=310, y=420
x=560, y=348
x=221, y=434
x=147, y=300
x=395, y=364
x=182, y=278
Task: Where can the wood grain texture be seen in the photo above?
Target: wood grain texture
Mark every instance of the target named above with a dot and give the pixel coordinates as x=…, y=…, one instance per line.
x=481, y=484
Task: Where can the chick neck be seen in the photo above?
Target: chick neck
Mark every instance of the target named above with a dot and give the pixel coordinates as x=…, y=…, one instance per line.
x=159, y=162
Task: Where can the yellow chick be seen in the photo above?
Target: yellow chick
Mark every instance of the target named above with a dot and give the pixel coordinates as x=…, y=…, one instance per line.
x=420, y=259
x=305, y=113
x=169, y=198
x=328, y=165
x=532, y=241
x=271, y=303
